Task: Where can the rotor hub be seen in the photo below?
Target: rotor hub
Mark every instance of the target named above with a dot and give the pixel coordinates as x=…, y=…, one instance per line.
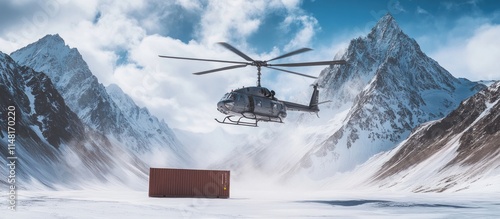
x=259, y=63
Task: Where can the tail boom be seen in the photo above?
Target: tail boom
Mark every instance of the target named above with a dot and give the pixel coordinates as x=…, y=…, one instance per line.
x=313, y=104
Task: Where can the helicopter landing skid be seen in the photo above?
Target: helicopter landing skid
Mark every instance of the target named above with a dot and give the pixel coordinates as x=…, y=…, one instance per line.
x=238, y=122
x=250, y=124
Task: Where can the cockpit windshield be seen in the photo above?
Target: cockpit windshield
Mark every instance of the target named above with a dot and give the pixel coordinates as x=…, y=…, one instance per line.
x=228, y=96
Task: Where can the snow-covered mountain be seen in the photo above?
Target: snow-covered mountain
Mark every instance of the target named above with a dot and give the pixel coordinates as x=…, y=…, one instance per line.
x=53, y=146
x=452, y=153
x=113, y=114
x=387, y=88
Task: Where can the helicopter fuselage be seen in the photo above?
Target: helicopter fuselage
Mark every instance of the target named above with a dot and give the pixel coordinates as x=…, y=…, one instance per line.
x=256, y=103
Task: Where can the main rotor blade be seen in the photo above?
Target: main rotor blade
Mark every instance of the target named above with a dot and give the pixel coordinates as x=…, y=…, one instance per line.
x=219, y=69
x=227, y=46
x=335, y=62
x=291, y=72
x=206, y=60
x=291, y=53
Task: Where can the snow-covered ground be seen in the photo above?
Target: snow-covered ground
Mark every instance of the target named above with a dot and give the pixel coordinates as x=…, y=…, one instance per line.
x=253, y=203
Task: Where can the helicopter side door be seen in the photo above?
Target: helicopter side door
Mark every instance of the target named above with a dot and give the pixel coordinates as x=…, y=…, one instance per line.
x=264, y=106
x=241, y=103
x=274, y=108
x=251, y=104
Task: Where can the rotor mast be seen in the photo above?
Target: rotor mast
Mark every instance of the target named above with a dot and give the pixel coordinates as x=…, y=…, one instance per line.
x=259, y=65
x=258, y=75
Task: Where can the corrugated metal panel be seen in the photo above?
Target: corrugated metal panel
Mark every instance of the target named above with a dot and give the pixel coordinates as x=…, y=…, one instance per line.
x=165, y=182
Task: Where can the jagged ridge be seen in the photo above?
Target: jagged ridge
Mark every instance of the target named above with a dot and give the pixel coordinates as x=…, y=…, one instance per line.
x=124, y=124
x=455, y=153
x=52, y=144
x=391, y=87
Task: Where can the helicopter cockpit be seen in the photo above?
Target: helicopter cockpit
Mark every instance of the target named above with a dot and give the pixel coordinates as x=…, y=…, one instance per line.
x=226, y=103
x=227, y=96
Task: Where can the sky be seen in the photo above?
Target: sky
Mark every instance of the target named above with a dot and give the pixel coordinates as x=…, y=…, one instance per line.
x=121, y=41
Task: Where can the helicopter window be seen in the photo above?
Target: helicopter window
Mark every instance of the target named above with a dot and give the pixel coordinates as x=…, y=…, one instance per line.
x=228, y=96
x=265, y=92
x=259, y=103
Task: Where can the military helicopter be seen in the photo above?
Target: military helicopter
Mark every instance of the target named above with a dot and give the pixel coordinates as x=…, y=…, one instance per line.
x=256, y=103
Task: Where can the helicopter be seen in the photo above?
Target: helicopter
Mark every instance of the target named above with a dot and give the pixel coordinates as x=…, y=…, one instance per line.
x=249, y=105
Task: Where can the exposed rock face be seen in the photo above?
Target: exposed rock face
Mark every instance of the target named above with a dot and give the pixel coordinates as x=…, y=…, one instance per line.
x=53, y=146
x=38, y=104
x=470, y=135
x=390, y=87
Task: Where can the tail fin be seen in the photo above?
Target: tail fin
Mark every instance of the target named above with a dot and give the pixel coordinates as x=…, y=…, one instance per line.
x=314, y=99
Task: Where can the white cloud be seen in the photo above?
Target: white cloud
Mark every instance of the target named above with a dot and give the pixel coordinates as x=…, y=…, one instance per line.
x=308, y=27
x=45, y=17
x=473, y=57
x=482, y=53
x=230, y=20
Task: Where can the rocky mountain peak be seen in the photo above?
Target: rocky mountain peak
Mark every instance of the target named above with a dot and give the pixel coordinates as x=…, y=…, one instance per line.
x=389, y=87
x=64, y=65
x=49, y=45
x=52, y=39
x=371, y=56
x=385, y=27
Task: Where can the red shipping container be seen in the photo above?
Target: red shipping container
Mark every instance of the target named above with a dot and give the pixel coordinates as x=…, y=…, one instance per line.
x=164, y=182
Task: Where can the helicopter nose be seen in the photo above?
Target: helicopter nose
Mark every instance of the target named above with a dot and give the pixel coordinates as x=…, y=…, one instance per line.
x=225, y=106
